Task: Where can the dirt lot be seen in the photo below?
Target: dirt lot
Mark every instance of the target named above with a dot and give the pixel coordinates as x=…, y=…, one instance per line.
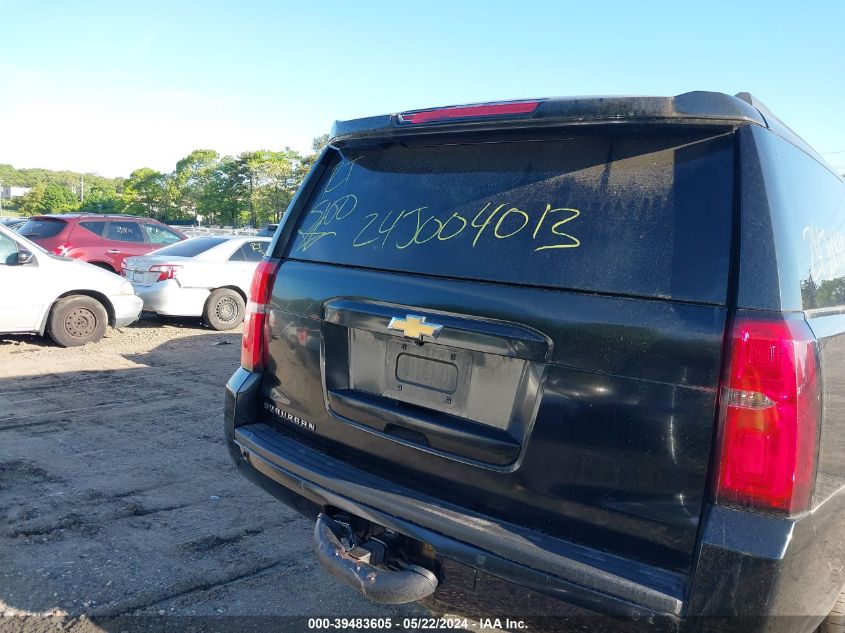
x=117, y=496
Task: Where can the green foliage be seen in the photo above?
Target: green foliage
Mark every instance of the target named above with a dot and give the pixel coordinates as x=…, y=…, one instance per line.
x=145, y=193
x=319, y=143
x=30, y=203
x=101, y=198
x=826, y=294
x=190, y=182
x=57, y=199
x=252, y=188
x=831, y=293
x=47, y=198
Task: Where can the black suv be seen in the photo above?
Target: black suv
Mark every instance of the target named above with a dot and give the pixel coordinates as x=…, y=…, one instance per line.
x=561, y=357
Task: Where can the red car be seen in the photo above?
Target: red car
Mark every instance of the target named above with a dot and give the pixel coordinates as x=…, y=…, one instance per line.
x=102, y=240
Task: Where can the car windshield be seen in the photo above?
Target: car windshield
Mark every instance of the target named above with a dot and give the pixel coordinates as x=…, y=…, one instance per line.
x=39, y=228
x=191, y=247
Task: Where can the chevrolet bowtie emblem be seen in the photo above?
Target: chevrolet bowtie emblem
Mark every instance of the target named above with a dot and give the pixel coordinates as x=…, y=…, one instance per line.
x=415, y=327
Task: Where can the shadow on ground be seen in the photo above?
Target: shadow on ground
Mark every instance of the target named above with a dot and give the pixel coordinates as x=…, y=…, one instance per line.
x=117, y=497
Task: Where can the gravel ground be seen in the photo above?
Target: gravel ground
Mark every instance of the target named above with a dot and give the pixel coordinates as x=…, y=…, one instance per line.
x=117, y=496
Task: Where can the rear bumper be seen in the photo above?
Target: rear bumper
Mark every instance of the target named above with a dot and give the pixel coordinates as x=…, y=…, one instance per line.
x=170, y=299
x=489, y=566
x=127, y=309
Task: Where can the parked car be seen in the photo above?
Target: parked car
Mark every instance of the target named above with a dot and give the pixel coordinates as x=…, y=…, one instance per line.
x=12, y=223
x=102, y=240
x=268, y=231
x=561, y=356
x=68, y=299
x=202, y=276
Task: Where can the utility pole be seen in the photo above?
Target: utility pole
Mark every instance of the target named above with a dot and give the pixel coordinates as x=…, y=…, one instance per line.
x=81, y=188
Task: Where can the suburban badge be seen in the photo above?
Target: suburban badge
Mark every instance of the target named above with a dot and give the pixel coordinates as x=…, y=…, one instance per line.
x=289, y=417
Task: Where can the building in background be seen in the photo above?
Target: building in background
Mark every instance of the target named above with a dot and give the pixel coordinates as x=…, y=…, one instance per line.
x=7, y=193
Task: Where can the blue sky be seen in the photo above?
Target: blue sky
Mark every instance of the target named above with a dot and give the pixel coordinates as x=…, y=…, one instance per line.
x=112, y=86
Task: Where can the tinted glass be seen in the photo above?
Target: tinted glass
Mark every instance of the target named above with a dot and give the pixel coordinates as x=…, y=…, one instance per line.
x=254, y=251
x=125, y=232
x=815, y=199
x=41, y=228
x=160, y=235
x=648, y=217
x=96, y=227
x=191, y=247
x=8, y=251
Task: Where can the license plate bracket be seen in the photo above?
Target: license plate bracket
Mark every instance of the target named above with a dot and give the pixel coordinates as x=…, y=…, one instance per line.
x=428, y=375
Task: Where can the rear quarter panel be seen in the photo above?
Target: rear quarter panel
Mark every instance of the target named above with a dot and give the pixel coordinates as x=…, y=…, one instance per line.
x=87, y=246
x=791, y=260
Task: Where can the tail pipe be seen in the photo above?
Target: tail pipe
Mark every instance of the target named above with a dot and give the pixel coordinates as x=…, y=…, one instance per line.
x=409, y=583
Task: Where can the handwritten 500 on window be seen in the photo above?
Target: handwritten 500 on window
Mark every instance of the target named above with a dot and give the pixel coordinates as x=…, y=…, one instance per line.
x=639, y=217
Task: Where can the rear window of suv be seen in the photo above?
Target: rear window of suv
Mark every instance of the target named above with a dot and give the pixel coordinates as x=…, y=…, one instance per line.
x=633, y=215
x=37, y=228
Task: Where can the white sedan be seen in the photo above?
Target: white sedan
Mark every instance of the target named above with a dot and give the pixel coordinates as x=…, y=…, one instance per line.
x=70, y=300
x=203, y=276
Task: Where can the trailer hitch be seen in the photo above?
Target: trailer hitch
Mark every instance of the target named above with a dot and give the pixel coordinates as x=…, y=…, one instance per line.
x=368, y=566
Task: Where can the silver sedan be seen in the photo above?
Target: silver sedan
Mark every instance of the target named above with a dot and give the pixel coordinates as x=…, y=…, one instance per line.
x=202, y=276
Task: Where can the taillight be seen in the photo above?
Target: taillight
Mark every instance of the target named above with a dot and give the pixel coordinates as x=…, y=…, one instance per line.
x=254, y=342
x=165, y=271
x=503, y=109
x=770, y=416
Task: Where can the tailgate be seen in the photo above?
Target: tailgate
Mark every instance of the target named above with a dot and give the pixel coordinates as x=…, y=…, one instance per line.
x=529, y=330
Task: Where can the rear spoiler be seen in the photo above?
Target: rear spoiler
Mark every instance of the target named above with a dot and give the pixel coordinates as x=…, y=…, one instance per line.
x=695, y=108
x=691, y=107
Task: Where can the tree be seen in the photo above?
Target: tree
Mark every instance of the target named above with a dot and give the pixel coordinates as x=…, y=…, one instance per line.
x=317, y=146
x=250, y=164
x=58, y=199
x=224, y=198
x=255, y=187
x=145, y=192
x=47, y=198
x=831, y=293
x=269, y=180
x=101, y=197
x=808, y=292
x=280, y=179
x=31, y=202
x=191, y=180
x=319, y=143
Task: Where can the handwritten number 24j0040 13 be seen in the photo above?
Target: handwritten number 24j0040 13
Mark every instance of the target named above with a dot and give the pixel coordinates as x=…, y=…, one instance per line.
x=418, y=226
